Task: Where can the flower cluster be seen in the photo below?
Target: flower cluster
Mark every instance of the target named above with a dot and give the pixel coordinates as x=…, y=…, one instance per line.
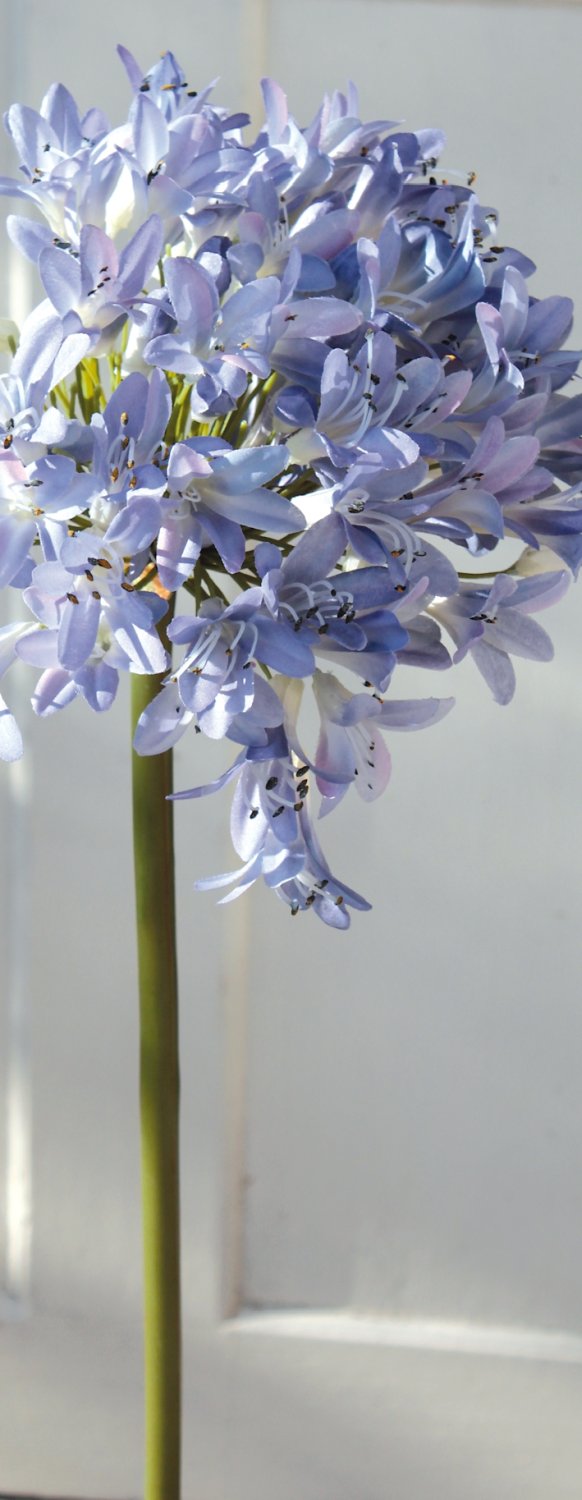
x=275, y=375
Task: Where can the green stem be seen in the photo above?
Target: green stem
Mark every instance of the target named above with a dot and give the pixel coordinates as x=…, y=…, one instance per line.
x=159, y=1097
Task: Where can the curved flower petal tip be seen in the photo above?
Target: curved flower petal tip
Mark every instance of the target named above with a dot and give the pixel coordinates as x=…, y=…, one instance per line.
x=11, y=746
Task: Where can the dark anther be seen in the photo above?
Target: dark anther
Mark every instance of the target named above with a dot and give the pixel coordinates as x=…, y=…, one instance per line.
x=95, y=594
x=278, y=811
x=271, y=783
x=321, y=884
x=73, y=598
x=302, y=770
x=375, y=379
x=254, y=812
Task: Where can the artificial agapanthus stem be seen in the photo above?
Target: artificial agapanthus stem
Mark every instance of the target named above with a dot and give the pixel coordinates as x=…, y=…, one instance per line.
x=159, y=1106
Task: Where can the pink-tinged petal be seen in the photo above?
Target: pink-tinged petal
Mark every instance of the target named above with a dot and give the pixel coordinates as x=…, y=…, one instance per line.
x=327, y=235
x=276, y=111
x=98, y=257
x=414, y=713
x=487, y=447
x=514, y=459
x=184, y=463
x=54, y=690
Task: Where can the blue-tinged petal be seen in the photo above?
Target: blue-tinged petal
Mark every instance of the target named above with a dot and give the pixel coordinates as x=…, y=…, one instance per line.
x=132, y=68
x=60, y=274
x=150, y=132
x=60, y=109
x=73, y=349
x=316, y=552
x=245, y=315
x=263, y=509
x=283, y=649
x=11, y=746
x=98, y=683
x=194, y=298
x=177, y=552
x=40, y=341
x=315, y=318
x=497, y=670
x=242, y=469
x=78, y=632
x=29, y=237
x=267, y=557
x=226, y=536
x=162, y=723
x=126, y=406
x=142, y=647
x=211, y=786
x=139, y=257
x=134, y=527
x=519, y=634
x=16, y=538
x=39, y=648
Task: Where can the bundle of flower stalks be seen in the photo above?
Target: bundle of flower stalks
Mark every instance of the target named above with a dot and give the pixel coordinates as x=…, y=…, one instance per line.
x=272, y=377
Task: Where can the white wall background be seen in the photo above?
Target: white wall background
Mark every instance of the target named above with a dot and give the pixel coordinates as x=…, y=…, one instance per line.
x=382, y=1131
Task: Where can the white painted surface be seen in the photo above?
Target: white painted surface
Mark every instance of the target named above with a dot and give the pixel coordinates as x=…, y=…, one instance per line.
x=381, y=1131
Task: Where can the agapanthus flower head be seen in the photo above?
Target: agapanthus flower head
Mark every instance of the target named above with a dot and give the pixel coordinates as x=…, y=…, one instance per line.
x=287, y=377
